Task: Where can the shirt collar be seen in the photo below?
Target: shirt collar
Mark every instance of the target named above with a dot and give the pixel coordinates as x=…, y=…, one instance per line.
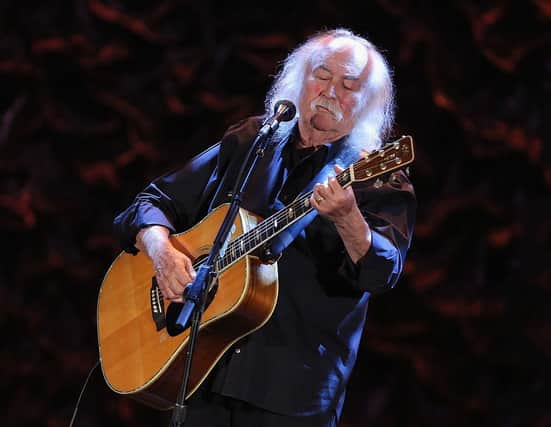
x=333, y=149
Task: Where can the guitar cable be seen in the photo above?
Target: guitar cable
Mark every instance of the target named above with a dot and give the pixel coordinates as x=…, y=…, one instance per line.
x=82, y=392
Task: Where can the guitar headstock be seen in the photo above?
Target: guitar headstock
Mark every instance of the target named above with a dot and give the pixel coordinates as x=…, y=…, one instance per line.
x=394, y=155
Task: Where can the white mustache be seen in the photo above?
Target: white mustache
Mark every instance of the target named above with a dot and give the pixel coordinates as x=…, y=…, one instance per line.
x=328, y=105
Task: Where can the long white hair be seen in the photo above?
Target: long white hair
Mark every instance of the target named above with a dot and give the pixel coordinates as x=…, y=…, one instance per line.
x=377, y=116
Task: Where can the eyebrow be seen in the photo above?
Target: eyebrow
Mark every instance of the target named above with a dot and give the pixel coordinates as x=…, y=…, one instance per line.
x=324, y=68
x=346, y=77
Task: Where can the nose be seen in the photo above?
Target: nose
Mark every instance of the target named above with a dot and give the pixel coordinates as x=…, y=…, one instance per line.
x=329, y=90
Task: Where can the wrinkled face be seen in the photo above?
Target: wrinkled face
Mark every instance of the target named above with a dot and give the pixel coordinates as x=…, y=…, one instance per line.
x=332, y=94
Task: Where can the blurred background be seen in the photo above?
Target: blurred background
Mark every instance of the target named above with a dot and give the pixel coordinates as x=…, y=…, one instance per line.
x=98, y=97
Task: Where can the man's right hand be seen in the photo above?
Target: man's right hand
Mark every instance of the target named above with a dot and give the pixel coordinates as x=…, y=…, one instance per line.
x=173, y=269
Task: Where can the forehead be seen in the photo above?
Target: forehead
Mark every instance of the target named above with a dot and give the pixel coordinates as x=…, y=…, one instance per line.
x=341, y=54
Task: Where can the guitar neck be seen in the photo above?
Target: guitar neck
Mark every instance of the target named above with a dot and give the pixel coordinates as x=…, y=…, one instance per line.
x=271, y=227
x=393, y=156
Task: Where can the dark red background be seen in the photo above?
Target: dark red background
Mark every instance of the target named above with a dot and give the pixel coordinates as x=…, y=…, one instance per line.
x=98, y=97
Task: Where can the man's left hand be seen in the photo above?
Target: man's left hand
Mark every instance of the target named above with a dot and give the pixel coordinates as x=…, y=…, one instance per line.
x=339, y=205
x=332, y=200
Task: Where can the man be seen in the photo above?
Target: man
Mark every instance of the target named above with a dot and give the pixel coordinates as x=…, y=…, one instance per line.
x=293, y=371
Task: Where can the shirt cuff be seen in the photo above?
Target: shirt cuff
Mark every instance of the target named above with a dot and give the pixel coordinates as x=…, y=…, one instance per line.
x=378, y=269
x=129, y=226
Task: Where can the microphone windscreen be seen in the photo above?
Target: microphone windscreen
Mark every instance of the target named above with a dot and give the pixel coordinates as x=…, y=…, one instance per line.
x=289, y=110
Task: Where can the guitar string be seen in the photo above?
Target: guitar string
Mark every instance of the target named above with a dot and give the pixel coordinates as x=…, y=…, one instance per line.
x=282, y=215
x=266, y=226
x=344, y=174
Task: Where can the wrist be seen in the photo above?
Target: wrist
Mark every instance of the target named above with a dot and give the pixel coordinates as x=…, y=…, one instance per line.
x=349, y=220
x=153, y=240
x=355, y=233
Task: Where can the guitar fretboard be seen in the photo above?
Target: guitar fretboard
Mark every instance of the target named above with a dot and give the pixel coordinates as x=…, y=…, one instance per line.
x=393, y=156
x=271, y=226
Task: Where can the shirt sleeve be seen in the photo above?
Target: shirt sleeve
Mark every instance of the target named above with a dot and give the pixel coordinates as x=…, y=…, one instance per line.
x=180, y=199
x=389, y=209
x=172, y=200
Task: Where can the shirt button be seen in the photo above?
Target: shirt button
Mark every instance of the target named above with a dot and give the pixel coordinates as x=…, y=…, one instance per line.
x=238, y=350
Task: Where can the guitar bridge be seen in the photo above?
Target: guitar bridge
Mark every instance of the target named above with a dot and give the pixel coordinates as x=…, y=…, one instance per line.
x=157, y=305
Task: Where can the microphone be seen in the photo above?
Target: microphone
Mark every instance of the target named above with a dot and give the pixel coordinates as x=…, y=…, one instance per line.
x=284, y=111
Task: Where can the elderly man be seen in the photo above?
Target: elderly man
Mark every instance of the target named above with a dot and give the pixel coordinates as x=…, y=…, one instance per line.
x=293, y=371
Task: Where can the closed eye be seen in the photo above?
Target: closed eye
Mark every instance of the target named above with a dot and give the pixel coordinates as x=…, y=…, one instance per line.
x=322, y=73
x=350, y=84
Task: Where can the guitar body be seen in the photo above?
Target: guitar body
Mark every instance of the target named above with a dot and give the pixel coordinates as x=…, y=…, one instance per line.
x=139, y=360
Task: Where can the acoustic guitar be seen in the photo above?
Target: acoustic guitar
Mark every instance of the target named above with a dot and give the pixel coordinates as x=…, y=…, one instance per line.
x=140, y=358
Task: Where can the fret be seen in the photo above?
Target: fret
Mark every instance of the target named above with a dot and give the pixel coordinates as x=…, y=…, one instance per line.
x=344, y=177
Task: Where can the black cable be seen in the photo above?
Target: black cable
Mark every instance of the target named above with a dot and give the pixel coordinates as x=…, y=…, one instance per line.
x=81, y=393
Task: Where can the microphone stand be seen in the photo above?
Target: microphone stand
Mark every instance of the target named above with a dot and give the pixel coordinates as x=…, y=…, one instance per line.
x=196, y=294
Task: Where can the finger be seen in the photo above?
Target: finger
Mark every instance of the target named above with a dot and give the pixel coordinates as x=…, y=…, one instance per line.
x=180, y=295
x=176, y=298
x=189, y=269
x=317, y=199
x=177, y=286
x=158, y=272
x=168, y=293
x=330, y=186
x=337, y=168
x=315, y=202
x=334, y=186
x=169, y=286
x=324, y=190
x=318, y=187
x=349, y=193
x=317, y=192
x=176, y=290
